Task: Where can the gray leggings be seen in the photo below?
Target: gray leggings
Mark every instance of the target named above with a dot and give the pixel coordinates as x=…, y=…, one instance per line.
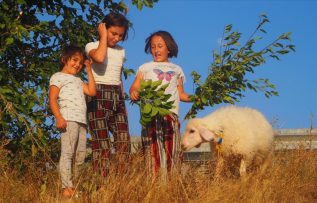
x=73, y=147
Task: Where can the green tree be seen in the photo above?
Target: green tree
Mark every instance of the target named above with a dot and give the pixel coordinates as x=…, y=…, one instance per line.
x=32, y=35
x=227, y=81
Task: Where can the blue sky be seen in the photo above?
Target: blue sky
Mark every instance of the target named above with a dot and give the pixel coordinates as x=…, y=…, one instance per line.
x=197, y=26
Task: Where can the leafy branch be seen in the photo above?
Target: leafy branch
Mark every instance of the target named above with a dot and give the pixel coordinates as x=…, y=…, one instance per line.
x=153, y=101
x=226, y=82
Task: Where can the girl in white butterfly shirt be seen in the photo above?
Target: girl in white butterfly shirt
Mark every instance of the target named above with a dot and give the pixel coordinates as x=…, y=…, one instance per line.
x=161, y=138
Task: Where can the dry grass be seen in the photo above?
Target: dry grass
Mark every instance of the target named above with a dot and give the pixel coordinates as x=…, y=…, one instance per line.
x=292, y=177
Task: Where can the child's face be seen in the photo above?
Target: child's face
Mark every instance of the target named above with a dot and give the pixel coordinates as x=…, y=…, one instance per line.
x=159, y=49
x=74, y=64
x=114, y=35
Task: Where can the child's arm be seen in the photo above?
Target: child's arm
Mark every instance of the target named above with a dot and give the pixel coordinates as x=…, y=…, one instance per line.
x=99, y=54
x=90, y=87
x=53, y=95
x=134, y=89
x=182, y=95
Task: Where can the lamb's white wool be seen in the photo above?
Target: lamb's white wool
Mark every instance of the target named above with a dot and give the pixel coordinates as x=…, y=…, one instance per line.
x=245, y=132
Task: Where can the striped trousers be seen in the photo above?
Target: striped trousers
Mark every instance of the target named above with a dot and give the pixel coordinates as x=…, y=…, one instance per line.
x=161, y=144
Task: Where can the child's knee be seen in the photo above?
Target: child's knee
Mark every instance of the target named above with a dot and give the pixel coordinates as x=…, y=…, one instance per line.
x=80, y=157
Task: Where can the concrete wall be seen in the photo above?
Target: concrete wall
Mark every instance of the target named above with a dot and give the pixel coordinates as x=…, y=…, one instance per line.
x=285, y=139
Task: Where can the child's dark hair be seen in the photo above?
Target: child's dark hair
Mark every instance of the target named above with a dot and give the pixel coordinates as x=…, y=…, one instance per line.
x=68, y=52
x=169, y=41
x=117, y=19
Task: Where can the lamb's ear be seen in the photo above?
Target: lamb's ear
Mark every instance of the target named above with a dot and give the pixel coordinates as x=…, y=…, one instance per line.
x=220, y=130
x=206, y=134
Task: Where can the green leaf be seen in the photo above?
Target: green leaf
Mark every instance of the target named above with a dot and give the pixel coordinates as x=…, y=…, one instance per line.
x=282, y=51
x=21, y=2
x=167, y=97
x=274, y=56
x=127, y=72
x=278, y=45
x=139, y=5
x=163, y=112
x=160, y=93
x=147, y=108
x=285, y=36
x=262, y=30
x=292, y=47
x=204, y=100
x=228, y=28
x=154, y=112
x=157, y=102
x=9, y=41
x=155, y=84
x=145, y=120
x=163, y=87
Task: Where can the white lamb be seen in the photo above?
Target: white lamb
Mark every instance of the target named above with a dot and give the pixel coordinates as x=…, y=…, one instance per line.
x=236, y=131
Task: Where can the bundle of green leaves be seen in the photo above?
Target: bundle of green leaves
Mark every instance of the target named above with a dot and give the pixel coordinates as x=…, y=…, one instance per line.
x=153, y=101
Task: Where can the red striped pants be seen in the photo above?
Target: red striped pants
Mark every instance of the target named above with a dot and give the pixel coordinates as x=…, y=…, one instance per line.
x=107, y=113
x=161, y=144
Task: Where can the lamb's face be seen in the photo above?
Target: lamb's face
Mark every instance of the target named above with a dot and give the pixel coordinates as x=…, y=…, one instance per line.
x=191, y=137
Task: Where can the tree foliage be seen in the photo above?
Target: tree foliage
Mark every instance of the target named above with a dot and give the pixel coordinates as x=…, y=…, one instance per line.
x=32, y=35
x=227, y=81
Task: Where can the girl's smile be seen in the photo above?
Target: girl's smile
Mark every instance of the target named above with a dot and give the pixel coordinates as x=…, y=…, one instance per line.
x=74, y=64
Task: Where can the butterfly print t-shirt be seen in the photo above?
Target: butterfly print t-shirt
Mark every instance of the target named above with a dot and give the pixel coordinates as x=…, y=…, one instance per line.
x=168, y=73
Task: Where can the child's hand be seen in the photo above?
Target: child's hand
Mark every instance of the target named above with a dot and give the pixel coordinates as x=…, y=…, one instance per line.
x=102, y=30
x=134, y=95
x=88, y=63
x=61, y=123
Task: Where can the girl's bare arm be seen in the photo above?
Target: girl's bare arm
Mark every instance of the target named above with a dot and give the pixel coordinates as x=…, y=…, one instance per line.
x=61, y=123
x=90, y=87
x=134, y=89
x=182, y=95
x=99, y=55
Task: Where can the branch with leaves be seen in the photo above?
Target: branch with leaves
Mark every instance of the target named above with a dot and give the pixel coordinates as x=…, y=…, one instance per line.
x=153, y=101
x=226, y=82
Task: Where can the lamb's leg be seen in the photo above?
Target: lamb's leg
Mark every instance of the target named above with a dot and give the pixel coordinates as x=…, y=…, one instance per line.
x=267, y=162
x=243, y=168
x=246, y=161
x=219, y=168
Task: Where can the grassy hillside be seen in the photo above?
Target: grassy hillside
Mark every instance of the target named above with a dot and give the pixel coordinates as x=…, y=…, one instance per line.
x=292, y=177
